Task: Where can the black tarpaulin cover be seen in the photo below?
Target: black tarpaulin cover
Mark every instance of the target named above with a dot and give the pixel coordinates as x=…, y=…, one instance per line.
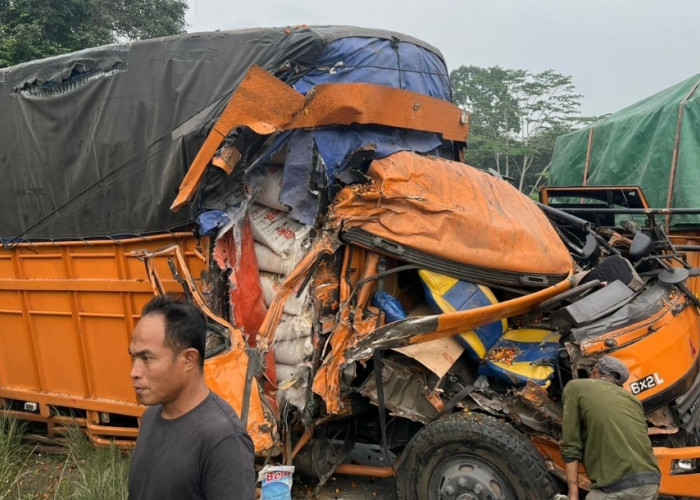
x=95, y=143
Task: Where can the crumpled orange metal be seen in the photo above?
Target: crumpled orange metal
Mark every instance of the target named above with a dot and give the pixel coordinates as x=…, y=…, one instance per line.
x=454, y=211
x=225, y=373
x=266, y=105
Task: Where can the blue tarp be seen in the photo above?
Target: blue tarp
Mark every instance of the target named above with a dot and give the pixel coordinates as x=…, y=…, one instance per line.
x=392, y=63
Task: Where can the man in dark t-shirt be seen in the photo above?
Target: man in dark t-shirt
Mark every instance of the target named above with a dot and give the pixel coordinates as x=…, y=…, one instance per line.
x=191, y=444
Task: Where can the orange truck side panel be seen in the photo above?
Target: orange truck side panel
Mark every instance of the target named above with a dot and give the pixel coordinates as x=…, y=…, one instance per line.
x=67, y=311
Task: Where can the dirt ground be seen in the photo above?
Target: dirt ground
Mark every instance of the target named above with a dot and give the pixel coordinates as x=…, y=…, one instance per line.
x=44, y=471
x=42, y=474
x=346, y=488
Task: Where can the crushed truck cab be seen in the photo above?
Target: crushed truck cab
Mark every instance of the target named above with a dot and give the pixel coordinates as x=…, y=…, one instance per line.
x=367, y=293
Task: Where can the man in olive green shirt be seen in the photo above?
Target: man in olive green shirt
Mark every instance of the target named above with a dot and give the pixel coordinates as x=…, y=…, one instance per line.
x=605, y=428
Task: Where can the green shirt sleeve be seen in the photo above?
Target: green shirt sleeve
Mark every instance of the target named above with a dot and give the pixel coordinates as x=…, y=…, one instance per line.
x=572, y=441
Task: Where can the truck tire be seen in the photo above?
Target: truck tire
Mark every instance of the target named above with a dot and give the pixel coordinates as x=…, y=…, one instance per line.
x=472, y=456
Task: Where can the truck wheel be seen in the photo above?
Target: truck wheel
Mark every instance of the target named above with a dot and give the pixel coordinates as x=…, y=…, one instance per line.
x=469, y=456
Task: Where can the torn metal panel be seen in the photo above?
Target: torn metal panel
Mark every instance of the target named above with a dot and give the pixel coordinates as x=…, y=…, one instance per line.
x=517, y=410
x=352, y=324
x=327, y=379
x=224, y=373
x=262, y=103
x=266, y=105
x=405, y=392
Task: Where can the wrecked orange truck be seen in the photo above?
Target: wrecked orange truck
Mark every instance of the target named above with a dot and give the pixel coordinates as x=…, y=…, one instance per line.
x=375, y=306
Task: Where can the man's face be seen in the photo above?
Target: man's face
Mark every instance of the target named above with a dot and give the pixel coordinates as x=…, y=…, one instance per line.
x=156, y=370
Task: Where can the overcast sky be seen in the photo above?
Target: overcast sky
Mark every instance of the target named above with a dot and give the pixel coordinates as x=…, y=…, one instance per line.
x=617, y=51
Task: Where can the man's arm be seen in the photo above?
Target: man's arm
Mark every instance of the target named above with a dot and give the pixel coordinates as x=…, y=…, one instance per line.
x=229, y=470
x=572, y=479
x=572, y=443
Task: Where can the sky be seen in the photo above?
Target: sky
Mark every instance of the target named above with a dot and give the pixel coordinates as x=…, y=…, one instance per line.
x=616, y=51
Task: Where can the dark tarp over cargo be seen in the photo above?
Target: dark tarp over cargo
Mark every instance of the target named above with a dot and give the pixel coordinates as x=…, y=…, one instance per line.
x=654, y=144
x=95, y=143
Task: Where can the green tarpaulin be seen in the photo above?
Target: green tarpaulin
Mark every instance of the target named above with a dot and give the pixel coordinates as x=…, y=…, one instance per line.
x=654, y=144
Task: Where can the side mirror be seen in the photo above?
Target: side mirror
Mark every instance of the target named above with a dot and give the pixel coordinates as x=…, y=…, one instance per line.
x=641, y=246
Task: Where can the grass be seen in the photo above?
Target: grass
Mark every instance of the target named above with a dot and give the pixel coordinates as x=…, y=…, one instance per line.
x=14, y=456
x=79, y=472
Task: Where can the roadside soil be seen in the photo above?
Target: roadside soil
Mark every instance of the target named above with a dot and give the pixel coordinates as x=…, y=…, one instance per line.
x=42, y=475
x=44, y=472
x=342, y=487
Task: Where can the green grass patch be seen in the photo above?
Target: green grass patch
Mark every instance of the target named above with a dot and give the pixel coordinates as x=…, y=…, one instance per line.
x=79, y=472
x=14, y=455
x=95, y=472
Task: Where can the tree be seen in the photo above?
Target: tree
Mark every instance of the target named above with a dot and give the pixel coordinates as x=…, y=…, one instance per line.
x=516, y=115
x=33, y=29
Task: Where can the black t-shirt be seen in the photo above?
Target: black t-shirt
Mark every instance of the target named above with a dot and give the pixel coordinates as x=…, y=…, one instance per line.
x=204, y=454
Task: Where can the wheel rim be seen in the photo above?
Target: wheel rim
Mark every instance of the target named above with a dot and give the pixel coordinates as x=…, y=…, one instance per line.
x=467, y=477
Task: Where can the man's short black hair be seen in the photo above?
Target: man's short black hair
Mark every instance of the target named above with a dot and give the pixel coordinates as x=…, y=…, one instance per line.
x=185, y=325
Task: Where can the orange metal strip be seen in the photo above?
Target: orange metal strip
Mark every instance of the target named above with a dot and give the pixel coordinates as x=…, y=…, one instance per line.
x=365, y=470
x=108, y=430
x=73, y=401
x=37, y=368
x=365, y=103
x=83, y=351
x=266, y=105
x=460, y=321
x=551, y=452
x=261, y=102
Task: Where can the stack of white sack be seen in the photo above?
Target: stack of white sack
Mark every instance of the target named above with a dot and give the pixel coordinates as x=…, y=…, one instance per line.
x=280, y=241
x=271, y=282
x=293, y=346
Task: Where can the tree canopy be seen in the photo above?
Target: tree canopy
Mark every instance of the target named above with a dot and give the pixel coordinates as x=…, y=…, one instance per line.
x=516, y=115
x=33, y=29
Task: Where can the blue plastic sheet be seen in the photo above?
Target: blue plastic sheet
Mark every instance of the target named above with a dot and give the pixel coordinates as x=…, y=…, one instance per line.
x=210, y=221
x=389, y=305
x=368, y=60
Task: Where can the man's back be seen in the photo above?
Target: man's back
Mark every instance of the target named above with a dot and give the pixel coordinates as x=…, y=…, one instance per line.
x=605, y=424
x=205, y=453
